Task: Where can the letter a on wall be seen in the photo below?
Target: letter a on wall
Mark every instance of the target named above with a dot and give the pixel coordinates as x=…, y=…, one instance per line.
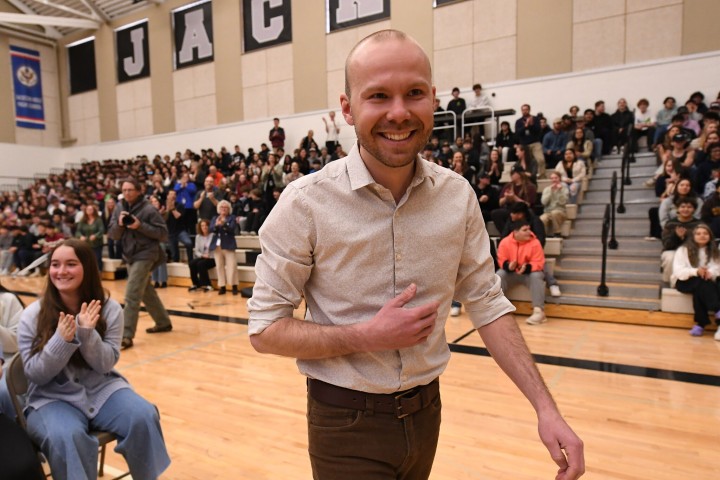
x=133, y=51
x=266, y=23
x=350, y=13
x=193, y=33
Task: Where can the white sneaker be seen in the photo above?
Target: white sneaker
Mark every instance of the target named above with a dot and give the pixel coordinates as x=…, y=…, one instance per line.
x=537, y=317
x=717, y=335
x=555, y=291
x=455, y=311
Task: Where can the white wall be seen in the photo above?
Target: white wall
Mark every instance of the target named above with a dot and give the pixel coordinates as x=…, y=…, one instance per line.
x=655, y=80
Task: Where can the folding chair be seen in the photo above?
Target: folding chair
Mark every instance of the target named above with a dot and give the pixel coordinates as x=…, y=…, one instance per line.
x=18, y=386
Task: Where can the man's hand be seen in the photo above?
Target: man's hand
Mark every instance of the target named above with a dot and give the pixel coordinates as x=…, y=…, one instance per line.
x=512, y=266
x=565, y=447
x=395, y=327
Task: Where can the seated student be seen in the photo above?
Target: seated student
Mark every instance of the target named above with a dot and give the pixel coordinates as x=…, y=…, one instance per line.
x=659, y=216
x=710, y=213
x=675, y=233
x=696, y=268
x=495, y=166
x=527, y=162
x=554, y=143
x=622, y=121
x=10, y=308
x=554, y=198
x=706, y=173
x=505, y=142
x=519, y=213
x=582, y=146
x=572, y=172
x=17, y=455
x=6, y=254
x=203, y=260
x=518, y=189
x=70, y=341
x=522, y=260
x=664, y=117
x=644, y=126
x=487, y=194
x=665, y=183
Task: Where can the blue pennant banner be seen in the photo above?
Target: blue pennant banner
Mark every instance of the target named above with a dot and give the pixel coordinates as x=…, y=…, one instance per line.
x=29, y=111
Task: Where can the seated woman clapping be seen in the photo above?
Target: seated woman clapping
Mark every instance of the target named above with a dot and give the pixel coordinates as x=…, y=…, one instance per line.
x=70, y=341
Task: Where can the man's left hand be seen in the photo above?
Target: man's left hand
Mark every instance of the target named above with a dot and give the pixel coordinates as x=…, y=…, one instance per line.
x=565, y=447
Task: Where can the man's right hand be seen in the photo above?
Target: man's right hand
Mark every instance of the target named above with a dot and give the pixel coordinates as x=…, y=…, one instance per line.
x=395, y=327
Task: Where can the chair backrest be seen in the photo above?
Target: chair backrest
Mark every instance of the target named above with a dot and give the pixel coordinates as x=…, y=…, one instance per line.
x=17, y=386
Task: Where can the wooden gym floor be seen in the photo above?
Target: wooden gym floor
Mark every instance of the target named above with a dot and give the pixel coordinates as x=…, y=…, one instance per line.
x=646, y=400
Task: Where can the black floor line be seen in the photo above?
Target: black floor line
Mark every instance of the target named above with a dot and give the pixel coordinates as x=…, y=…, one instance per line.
x=463, y=337
x=619, y=368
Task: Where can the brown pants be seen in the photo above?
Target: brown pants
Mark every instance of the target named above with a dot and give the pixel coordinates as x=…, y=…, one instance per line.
x=364, y=445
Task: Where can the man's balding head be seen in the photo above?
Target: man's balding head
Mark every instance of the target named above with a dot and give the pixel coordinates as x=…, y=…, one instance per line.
x=380, y=36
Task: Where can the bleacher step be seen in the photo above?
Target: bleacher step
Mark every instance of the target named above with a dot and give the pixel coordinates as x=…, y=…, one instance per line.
x=636, y=172
x=615, y=161
x=630, y=195
x=625, y=227
x=626, y=290
x=632, y=210
x=611, y=275
x=611, y=301
x=640, y=265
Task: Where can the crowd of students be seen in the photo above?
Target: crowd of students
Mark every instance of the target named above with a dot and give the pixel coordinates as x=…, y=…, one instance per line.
x=191, y=186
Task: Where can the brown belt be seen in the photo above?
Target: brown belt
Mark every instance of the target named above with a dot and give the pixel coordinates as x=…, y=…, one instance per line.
x=401, y=404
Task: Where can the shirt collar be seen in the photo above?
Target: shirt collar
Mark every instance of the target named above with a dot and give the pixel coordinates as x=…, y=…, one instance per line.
x=360, y=176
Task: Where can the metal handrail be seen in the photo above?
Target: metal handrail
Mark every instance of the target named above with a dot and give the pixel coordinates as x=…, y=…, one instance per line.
x=489, y=121
x=453, y=125
x=613, y=243
x=602, y=289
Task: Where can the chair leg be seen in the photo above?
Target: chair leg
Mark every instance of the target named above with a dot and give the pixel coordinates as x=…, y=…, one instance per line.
x=101, y=470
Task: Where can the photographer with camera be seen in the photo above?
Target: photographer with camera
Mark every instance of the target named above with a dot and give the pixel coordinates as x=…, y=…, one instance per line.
x=140, y=228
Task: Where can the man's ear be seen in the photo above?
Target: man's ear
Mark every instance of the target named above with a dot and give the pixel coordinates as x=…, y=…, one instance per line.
x=345, y=108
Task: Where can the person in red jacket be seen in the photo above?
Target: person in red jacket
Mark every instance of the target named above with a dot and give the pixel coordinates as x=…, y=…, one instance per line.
x=522, y=260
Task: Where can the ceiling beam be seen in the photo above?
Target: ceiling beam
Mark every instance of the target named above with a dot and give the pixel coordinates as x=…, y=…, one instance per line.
x=66, y=9
x=27, y=19
x=97, y=12
x=50, y=32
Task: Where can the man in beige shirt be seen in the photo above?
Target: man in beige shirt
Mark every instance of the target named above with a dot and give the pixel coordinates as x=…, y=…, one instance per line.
x=379, y=243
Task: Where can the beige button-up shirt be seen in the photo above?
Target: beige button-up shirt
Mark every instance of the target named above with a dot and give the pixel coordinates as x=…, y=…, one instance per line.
x=339, y=238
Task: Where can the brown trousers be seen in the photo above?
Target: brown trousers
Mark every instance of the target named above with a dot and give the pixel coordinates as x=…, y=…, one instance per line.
x=364, y=445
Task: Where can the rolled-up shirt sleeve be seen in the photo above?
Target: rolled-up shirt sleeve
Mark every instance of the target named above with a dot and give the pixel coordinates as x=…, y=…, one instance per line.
x=477, y=285
x=285, y=264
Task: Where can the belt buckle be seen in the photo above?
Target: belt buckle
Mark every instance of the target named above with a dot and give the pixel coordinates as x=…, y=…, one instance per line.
x=398, y=402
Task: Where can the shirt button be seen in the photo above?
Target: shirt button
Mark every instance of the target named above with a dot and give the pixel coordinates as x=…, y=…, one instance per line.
x=91, y=410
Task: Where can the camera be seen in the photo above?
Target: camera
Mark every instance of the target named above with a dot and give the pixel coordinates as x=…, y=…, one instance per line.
x=128, y=220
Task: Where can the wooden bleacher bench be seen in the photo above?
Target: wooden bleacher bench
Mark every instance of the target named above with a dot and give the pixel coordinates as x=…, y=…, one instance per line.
x=672, y=301
x=113, y=269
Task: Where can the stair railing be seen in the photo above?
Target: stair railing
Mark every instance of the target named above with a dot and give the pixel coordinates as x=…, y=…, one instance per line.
x=613, y=243
x=602, y=289
x=623, y=178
